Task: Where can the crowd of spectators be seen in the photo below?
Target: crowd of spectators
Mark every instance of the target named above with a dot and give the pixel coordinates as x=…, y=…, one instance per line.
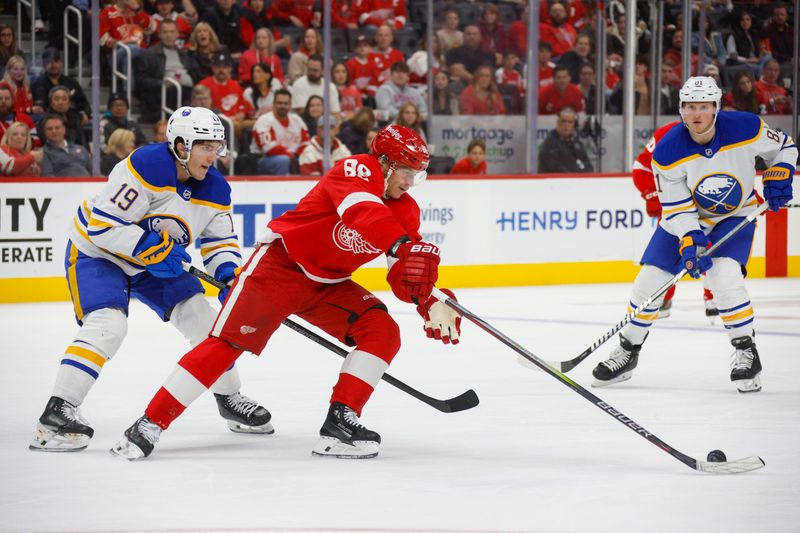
x=259, y=63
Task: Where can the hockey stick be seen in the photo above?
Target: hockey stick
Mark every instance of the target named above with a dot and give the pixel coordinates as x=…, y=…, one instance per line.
x=566, y=366
x=729, y=467
x=462, y=402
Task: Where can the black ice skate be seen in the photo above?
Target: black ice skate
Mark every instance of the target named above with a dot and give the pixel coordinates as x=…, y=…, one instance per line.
x=243, y=414
x=618, y=367
x=745, y=365
x=139, y=440
x=343, y=436
x=711, y=311
x=61, y=428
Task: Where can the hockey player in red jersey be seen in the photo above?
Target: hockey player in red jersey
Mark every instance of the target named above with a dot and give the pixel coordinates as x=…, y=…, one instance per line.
x=645, y=181
x=359, y=210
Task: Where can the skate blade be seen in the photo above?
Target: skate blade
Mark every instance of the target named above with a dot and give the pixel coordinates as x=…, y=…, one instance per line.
x=749, y=385
x=664, y=314
x=127, y=450
x=46, y=440
x=333, y=447
x=236, y=427
x=622, y=377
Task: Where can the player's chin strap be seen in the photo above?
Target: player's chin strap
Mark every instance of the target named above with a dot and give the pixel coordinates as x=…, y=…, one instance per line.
x=389, y=172
x=183, y=162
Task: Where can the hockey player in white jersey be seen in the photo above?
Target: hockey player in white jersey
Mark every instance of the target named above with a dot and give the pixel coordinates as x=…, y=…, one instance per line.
x=129, y=241
x=705, y=173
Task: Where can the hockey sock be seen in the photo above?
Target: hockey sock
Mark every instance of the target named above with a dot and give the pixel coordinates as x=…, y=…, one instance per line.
x=727, y=283
x=670, y=294
x=99, y=338
x=649, y=280
x=378, y=341
x=192, y=376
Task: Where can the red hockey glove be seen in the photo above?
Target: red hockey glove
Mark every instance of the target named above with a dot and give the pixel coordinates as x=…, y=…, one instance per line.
x=415, y=272
x=441, y=321
x=652, y=204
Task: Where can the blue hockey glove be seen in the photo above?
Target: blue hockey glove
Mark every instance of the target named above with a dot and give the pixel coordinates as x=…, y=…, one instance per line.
x=691, y=244
x=161, y=256
x=226, y=272
x=777, y=182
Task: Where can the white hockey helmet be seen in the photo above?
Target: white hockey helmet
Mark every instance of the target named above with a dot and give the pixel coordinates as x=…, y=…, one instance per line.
x=701, y=89
x=190, y=124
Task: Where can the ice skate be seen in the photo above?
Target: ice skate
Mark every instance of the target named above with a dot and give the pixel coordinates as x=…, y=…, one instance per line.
x=618, y=367
x=139, y=440
x=343, y=436
x=61, y=428
x=745, y=365
x=665, y=310
x=243, y=414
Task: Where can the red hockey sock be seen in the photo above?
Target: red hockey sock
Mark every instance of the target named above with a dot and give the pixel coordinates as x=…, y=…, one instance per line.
x=670, y=293
x=195, y=372
x=707, y=295
x=352, y=392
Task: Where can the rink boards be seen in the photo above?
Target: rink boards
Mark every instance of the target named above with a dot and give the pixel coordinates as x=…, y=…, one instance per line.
x=500, y=231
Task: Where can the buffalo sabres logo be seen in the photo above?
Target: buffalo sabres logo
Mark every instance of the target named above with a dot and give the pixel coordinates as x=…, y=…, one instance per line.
x=350, y=240
x=176, y=227
x=718, y=193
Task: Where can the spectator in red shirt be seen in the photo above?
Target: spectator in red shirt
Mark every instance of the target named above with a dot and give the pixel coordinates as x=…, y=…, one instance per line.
x=262, y=51
x=363, y=70
x=165, y=10
x=518, y=35
x=16, y=77
x=559, y=32
x=561, y=94
x=775, y=95
x=226, y=94
x=494, y=38
x=16, y=156
x=482, y=97
x=576, y=11
x=298, y=13
x=546, y=66
x=745, y=96
x=125, y=22
x=280, y=135
x=9, y=115
x=475, y=162
x=384, y=56
x=508, y=74
x=344, y=15
x=378, y=12
x=349, y=96
x=255, y=16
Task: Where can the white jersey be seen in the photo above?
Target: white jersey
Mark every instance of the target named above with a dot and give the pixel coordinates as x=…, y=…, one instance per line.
x=701, y=185
x=143, y=194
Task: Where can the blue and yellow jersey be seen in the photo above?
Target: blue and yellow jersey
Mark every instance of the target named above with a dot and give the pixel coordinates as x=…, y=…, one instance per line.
x=143, y=194
x=700, y=185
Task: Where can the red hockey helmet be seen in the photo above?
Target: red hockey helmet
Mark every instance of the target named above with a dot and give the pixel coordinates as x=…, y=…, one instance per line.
x=402, y=146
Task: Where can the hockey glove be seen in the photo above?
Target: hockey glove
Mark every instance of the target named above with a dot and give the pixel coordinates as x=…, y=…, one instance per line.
x=652, y=204
x=161, y=256
x=226, y=273
x=415, y=270
x=441, y=321
x=691, y=245
x=777, y=182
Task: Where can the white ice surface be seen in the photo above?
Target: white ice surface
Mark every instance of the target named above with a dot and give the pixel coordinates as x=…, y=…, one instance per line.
x=533, y=456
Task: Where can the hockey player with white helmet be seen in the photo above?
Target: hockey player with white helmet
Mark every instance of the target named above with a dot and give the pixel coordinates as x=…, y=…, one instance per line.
x=705, y=174
x=130, y=241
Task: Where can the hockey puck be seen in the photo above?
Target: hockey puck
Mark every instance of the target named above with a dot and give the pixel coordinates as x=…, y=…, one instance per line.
x=716, y=456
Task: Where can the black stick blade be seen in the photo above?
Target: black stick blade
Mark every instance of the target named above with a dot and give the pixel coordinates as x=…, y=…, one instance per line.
x=462, y=402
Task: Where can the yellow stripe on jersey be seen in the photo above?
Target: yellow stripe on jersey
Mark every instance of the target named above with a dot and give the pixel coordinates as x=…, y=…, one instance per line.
x=206, y=203
x=143, y=181
x=676, y=163
x=89, y=355
x=205, y=251
x=72, y=279
x=683, y=207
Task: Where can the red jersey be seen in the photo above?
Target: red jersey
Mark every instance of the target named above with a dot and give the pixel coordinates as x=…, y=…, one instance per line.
x=551, y=101
x=17, y=116
x=770, y=91
x=642, y=169
x=281, y=10
x=119, y=25
x=363, y=75
x=378, y=12
x=384, y=61
x=227, y=97
x=184, y=29
x=343, y=13
x=463, y=166
x=513, y=77
x=344, y=222
x=576, y=11
x=560, y=37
